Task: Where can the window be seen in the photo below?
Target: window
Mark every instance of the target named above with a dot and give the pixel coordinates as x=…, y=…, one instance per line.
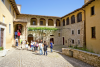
x=72, y=32
x=72, y=19
x=93, y=32
x=63, y=22
x=10, y=8
x=79, y=17
x=58, y=34
x=78, y=42
x=78, y=31
x=67, y=21
x=92, y=10
x=34, y=23
x=72, y=41
x=3, y=19
x=3, y=1
x=41, y=22
x=9, y=28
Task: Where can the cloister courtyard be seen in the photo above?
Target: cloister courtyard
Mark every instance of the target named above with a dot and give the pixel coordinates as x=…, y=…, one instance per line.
x=27, y=58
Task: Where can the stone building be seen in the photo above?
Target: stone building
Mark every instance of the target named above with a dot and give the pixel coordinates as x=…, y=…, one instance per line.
x=80, y=27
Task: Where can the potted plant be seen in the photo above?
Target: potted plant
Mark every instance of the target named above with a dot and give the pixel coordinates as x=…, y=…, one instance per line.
x=1, y=48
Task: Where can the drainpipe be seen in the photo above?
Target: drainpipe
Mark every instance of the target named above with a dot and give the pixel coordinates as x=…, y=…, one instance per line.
x=84, y=39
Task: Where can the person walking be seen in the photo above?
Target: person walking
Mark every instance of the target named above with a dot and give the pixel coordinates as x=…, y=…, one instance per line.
x=26, y=45
x=16, y=42
x=51, y=45
x=37, y=44
x=41, y=47
x=18, y=34
x=45, y=48
x=15, y=34
x=32, y=46
x=21, y=42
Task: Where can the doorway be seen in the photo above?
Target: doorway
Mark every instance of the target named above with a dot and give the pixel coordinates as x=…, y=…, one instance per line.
x=52, y=39
x=63, y=41
x=30, y=38
x=1, y=37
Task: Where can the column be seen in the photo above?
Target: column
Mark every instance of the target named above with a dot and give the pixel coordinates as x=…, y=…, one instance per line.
x=54, y=22
x=46, y=22
x=38, y=21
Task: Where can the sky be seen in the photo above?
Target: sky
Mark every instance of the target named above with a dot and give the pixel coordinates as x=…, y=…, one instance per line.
x=49, y=7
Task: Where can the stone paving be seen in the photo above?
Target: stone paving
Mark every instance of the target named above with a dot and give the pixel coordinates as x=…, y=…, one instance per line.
x=24, y=58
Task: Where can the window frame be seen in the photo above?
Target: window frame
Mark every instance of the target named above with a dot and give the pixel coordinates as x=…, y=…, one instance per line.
x=79, y=17
x=10, y=8
x=3, y=19
x=91, y=10
x=72, y=32
x=63, y=22
x=72, y=19
x=78, y=31
x=40, y=22
x=73, y=41
x=93, y=34
x=67, y=21
x=9, y=28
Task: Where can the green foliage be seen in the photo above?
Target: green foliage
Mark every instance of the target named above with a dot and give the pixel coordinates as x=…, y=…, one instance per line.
x=41, y=28
x=1, y=48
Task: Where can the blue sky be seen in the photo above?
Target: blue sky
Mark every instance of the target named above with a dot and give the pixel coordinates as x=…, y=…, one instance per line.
x=49, y=7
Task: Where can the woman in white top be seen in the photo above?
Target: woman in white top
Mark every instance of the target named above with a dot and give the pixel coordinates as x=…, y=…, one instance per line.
x=41, y=47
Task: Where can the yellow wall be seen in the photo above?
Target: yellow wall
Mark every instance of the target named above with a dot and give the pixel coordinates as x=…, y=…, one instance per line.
x=75, y=13
x=4, y=11
x=93, y=44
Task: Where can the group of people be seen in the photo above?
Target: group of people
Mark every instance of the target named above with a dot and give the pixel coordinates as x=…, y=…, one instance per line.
x=35, y=45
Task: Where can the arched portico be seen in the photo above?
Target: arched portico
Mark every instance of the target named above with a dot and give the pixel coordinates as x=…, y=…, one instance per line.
x=57, y=22
x=50, y=22
x=42, y=22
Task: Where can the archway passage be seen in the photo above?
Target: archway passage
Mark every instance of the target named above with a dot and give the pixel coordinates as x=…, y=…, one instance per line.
x=57, y=22
x=50, y=22
x=30, y=38
x=52, y=39
x=19, y=27
x=33, y=21
x=42, y=22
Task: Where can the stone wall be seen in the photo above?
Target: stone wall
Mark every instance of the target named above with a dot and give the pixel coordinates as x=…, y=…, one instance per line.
x=90, y=58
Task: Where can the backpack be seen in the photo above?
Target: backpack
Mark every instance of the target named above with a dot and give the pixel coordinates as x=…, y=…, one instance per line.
x=36, y=45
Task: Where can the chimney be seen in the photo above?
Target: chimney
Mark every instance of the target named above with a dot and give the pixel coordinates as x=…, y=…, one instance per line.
x=85, y=1
x=19, y=7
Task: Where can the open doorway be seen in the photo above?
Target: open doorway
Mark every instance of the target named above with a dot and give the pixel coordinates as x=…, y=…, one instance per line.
x=52, y=39
x=30, y=38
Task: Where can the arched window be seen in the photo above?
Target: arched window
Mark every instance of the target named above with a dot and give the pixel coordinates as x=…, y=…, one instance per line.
x=33, y=21
x=67, y=21
x=79, y=17
x=50, y=22
x=57, y=22
x=42, y=22
x=72, y=19
x=63, y=22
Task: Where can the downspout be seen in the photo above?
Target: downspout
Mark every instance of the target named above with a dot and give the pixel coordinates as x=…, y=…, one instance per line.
x=84, y=38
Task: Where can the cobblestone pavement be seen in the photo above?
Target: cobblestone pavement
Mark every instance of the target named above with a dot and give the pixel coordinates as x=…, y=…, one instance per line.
x=24, y=58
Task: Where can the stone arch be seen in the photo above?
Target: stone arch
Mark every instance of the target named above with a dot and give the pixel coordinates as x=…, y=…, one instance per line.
x=33, y=21
x=58, y=22
x=42, y=22
x=30, y=38
x=50, y=22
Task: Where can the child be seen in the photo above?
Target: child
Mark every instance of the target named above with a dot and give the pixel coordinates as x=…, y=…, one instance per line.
x=26, y=45
x=16, y=42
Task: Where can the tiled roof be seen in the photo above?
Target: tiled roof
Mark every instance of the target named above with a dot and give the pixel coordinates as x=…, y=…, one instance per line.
x=14, y=6
x=80, y=8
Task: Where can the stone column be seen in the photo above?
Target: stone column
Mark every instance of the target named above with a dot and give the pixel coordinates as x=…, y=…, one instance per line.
x=54, y=22
x=46, y=22
x=38, y=21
